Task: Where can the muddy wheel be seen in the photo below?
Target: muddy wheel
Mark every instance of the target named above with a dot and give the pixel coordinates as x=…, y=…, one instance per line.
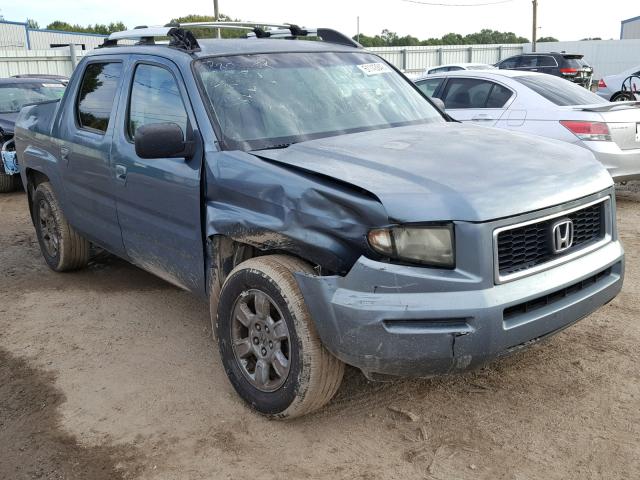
x=268, y=342
x=8, y=183
x=62, y=247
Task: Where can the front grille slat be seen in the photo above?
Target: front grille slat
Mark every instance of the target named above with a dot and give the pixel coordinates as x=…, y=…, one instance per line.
x=528, y=246
x=551, y=298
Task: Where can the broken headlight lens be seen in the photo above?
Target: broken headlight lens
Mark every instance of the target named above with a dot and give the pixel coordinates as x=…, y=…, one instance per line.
x=428, y=245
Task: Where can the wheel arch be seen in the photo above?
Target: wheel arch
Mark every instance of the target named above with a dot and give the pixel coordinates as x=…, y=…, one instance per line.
x=34, y=178
x=225, y=253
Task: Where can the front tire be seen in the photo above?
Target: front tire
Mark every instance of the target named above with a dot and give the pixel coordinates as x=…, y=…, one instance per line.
x=62, y=247
x=268, y=343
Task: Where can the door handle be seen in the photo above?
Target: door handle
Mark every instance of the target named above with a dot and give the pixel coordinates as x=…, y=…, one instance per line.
x=121, y=172
x=481, y=117
x=64, y=153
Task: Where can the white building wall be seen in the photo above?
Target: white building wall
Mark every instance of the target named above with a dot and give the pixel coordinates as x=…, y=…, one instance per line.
x=12, y=36
x=43, y=39
x=630, y=29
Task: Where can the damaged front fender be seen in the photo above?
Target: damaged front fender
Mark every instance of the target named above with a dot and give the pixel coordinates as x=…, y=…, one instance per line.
x=278, y=208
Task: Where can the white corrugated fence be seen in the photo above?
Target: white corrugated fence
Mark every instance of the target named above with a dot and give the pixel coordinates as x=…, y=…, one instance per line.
x=606, y=56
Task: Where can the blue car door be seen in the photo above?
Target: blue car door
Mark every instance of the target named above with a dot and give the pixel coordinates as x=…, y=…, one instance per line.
x=90, y=196
x=159, y=200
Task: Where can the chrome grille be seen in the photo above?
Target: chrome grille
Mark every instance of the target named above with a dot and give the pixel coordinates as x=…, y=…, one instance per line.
x=527, y=246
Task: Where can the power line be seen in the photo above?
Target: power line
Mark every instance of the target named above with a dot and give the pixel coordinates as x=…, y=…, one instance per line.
x=438, y=4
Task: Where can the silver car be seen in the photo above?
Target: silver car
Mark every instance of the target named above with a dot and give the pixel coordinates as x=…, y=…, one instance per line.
x=544, y=105
x=611, y=87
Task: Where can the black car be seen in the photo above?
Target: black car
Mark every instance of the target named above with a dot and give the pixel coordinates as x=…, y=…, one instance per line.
x=570, y=66
x=15, y=93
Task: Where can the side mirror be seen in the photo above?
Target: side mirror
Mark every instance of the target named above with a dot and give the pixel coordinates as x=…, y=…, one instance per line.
x=162, y=140
x=438, y=103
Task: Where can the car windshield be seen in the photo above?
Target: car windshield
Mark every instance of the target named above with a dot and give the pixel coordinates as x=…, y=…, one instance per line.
x=14, y=96
x=271, y=101
x=559, y=91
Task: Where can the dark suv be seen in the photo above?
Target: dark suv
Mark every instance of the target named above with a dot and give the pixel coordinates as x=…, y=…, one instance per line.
x=571, y=66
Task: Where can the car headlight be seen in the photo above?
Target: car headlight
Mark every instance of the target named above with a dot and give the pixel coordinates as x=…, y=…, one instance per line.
x=428, y=245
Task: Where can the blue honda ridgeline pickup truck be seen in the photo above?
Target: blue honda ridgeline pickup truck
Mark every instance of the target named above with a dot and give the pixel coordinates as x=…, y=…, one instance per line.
x=329, y=211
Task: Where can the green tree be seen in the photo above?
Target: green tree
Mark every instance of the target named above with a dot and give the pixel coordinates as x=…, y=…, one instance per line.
x=486, y=36
x=97, y=28
x=209, y=32
x=547, y=39
x=31, y=23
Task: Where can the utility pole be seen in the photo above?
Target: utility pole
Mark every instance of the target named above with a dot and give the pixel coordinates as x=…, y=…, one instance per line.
x=215, y=14
x=535, y=25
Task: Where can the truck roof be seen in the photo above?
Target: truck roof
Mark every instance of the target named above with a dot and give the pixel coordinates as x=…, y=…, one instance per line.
x=281, y=39
x=226, y=47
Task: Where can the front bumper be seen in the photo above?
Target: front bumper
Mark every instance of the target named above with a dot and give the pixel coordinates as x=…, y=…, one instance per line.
x=623, y=165
x=408, y=321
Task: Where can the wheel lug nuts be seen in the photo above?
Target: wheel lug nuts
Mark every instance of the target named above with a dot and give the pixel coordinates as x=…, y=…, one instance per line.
x=264, y=351
x=256, y=340
x=270, y=344
x=258, y=327
x=266, y=329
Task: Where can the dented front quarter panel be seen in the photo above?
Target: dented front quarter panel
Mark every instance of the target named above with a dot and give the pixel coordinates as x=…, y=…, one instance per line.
x=278, y=208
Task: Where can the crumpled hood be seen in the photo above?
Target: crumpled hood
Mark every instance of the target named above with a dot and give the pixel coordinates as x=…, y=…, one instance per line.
x=451, y=171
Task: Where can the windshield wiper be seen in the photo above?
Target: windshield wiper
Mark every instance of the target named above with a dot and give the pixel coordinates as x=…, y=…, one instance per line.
x=275, y=147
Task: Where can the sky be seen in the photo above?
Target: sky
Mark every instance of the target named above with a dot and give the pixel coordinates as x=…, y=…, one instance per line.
x=563, y=19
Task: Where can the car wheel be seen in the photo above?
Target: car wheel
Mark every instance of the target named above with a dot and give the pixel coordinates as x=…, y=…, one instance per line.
x=8, y=183
x=62, y=247
x=268, y=343
x=623, y=97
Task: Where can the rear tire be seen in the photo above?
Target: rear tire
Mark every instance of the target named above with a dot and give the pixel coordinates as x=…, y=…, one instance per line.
x=8, y=183
x=283, y=371
x=62, y=247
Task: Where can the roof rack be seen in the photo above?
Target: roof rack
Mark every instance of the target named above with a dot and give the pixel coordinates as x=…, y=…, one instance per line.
x=184, y=39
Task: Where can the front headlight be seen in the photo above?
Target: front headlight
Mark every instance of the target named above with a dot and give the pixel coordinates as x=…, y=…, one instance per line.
x=429, y=245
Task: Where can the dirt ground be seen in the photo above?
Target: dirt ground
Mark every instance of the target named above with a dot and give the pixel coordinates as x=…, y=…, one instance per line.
x=111, y=373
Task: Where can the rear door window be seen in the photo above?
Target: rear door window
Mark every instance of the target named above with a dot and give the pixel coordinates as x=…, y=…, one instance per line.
x=546, y=61
x=529, y=61
x=96, y=95
x=510, y=62
x=429, y=86
x=155, y=98
x=474, y=93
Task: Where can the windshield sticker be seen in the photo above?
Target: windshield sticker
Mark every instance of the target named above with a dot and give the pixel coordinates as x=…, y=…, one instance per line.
x=51, y=85
x=374, y=68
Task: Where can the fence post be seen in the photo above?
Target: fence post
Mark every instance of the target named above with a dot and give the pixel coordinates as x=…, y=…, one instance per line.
x=499, y=52
x=470, y=54
x=73, y=56
x=404, y=59
x=440, y=56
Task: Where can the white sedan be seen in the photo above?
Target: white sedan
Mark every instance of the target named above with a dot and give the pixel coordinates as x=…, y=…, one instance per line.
x=454, y=67
x=544, y=105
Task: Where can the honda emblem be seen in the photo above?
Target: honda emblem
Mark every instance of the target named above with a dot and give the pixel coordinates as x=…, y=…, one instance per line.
x=562, y=235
